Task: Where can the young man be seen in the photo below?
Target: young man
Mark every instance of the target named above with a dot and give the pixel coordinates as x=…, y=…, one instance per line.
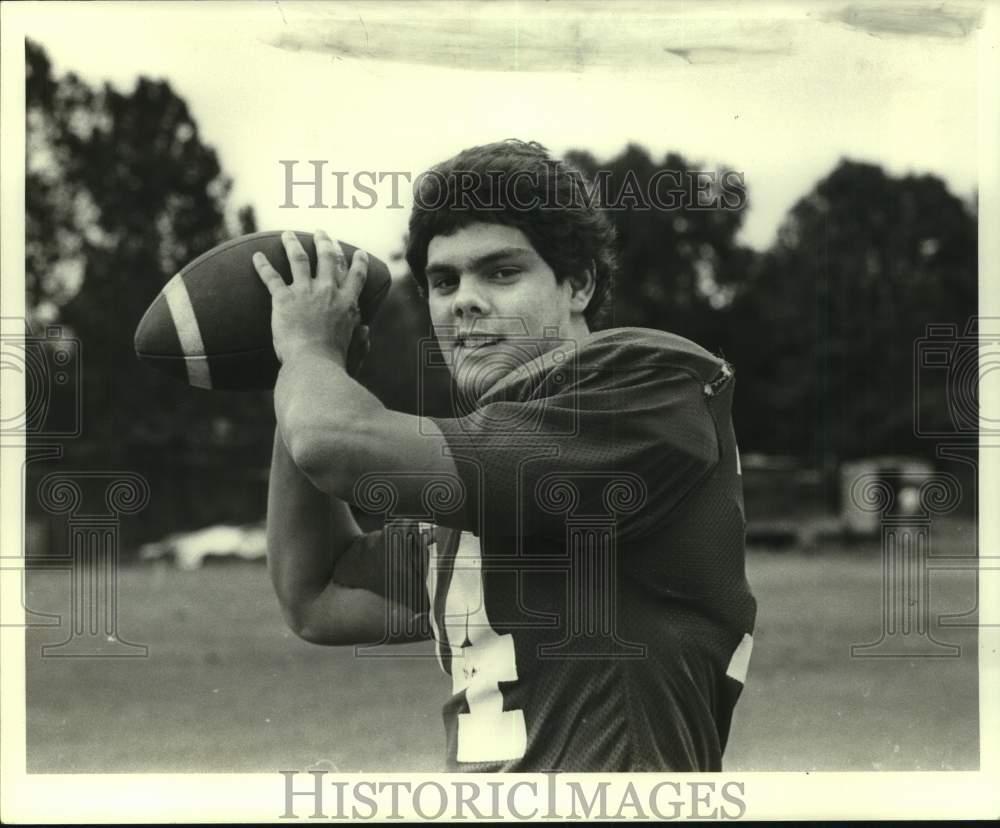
x=580, y=562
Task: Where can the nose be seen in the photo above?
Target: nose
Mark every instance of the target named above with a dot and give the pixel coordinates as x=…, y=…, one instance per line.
x=468, y=301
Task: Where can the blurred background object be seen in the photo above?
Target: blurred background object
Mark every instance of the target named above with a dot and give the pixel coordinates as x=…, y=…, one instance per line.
x=192, y=550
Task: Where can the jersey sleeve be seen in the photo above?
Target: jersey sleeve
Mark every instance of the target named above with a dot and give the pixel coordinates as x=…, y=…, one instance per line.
x=392, y=562
x=620, y=431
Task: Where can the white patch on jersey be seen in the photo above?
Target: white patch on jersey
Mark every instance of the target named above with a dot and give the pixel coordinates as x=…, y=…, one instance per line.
x=740, y=661
x=487, y=733
x=431, y=580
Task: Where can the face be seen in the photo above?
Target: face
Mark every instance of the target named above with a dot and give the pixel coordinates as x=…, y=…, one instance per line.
x=495, y=303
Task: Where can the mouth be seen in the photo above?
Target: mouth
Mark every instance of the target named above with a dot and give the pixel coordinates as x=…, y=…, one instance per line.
x=473, y=342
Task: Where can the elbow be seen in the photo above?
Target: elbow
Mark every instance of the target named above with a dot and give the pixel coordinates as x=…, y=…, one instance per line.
x=303, y=625
x=320, y=455
x=333, y=453
x=305, y=448
x=296, y=623
x=330, y=441
x=295, y=615
x=310, y=634
x=295, y=603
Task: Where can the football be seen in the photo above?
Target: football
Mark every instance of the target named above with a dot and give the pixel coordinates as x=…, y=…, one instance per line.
x=210, y=326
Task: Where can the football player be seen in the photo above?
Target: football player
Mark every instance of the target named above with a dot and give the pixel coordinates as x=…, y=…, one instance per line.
x=579, y=561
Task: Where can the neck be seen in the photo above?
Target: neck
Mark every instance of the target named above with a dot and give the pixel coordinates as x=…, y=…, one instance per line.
x=577, y=330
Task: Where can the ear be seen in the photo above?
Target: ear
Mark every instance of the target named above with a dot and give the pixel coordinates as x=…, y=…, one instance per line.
x=582, y=286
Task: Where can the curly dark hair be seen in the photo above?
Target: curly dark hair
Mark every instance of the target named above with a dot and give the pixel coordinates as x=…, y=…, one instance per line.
x=517, y=183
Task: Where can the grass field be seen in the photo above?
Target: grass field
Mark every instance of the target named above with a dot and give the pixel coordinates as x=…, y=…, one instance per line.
x=226, y=688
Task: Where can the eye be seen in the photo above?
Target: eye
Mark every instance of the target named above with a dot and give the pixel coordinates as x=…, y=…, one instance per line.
x=507, y=272
x=441, y=284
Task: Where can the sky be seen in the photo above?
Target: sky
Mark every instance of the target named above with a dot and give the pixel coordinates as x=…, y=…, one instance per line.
x=778, y=91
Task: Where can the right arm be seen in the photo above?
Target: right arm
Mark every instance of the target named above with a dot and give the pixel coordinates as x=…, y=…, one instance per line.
x=329, y=578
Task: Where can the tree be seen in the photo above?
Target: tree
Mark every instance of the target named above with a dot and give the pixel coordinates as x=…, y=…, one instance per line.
x=122, y=193
x=681, y=265
x=830, y=314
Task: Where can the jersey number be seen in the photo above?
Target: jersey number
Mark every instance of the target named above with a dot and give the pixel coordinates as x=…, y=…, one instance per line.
x=480, y=659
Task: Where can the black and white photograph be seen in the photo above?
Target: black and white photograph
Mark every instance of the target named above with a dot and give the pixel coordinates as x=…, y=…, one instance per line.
x=499, y=410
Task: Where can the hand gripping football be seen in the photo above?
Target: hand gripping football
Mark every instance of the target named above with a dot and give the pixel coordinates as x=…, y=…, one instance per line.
x=211, y=324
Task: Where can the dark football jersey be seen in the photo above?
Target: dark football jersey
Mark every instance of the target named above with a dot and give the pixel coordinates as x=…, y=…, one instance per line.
x=589, y=600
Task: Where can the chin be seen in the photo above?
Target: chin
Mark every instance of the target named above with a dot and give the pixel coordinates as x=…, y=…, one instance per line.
x=472, y=382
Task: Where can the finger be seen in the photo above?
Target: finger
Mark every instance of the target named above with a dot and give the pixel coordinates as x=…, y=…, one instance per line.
x=359, y=336
x=331, y=265
x=268, y=275
x=298, y=259
x=358, y=349
x=355, y=279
